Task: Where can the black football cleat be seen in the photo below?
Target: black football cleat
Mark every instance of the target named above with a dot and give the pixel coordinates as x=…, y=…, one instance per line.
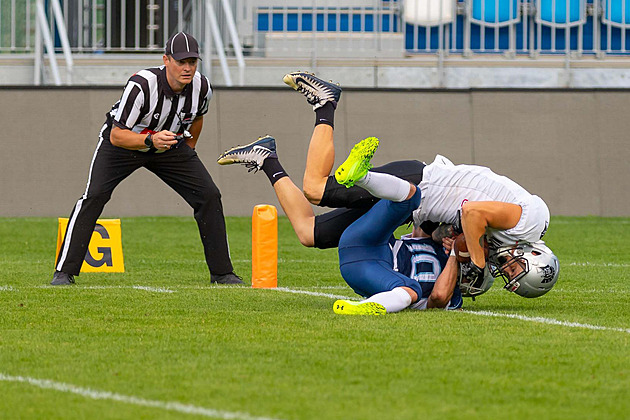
x=229, y=278
x=62, y=279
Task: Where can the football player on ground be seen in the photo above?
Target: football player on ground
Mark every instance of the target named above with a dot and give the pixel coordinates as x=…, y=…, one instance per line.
x=391, y=274
x=472, y=198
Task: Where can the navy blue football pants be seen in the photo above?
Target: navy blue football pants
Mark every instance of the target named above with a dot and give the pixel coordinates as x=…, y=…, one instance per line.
x=365, y=257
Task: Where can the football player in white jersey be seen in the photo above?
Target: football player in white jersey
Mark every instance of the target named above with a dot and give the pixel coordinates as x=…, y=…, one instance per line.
x=478, y=203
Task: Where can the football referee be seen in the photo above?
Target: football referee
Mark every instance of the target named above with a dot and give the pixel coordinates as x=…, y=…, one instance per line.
x=155, y=125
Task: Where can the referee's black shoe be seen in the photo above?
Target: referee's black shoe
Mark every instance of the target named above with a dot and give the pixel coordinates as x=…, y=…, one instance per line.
x=60, y=279
x=229, y=278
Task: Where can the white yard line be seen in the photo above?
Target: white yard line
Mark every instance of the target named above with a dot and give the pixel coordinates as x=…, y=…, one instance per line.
x=130, y=399
x=549, y=321
x=591, y=264
x=283, y=261
x=539, y=320
x=596, y=221
x=80, y=287
x=309, y=293
x=154, y=289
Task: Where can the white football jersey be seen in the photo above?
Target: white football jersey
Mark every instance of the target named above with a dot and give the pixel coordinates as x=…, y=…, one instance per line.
x=446, y=187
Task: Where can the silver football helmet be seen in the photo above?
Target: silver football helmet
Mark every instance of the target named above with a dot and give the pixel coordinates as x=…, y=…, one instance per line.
x=529, y=270
x=476, y=288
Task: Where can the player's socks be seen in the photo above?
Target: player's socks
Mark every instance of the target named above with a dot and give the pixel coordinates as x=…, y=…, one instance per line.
x=384, y=186
x=326, y=114
x=273, y=169
x=393, y=301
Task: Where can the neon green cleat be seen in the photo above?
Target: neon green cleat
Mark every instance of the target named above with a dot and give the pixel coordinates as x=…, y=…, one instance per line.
x=348, y=307
x=358, y=163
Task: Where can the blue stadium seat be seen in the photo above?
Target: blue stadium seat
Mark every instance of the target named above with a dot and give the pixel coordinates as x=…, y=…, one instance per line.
x=560, y=26
x=495, y=12
x=561, y=12
x=494, y=24
x=616, y=12
x=615, y=22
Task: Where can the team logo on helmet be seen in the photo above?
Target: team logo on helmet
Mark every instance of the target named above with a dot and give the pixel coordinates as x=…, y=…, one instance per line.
x=548, y=274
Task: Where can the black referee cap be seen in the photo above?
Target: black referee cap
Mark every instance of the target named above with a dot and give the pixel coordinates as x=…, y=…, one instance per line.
x=182, y=45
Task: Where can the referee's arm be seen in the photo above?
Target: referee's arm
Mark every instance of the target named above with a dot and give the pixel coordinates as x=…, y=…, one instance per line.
x=127, y=139
x=195, y=130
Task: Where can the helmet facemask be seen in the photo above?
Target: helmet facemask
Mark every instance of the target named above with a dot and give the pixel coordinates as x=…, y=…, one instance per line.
x=510, y=264
x=528, y=269
x=478, y=287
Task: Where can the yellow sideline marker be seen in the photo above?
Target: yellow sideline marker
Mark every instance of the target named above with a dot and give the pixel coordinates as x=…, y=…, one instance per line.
x=104, y=252
x=265, y=246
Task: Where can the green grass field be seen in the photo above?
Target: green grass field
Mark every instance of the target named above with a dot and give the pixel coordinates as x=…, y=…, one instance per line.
x=160, y=342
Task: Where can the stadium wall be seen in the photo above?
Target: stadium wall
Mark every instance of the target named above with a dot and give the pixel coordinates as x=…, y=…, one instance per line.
x=568, y=146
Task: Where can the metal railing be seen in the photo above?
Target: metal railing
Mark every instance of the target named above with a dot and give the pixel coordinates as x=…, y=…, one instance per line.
x=316, y=29
x=290, y=28
x=443, y=27
x=79, y=27
x=426, y=26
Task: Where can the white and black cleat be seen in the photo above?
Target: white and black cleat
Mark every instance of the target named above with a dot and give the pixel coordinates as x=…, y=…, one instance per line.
x=317, y=91
x=251, y=155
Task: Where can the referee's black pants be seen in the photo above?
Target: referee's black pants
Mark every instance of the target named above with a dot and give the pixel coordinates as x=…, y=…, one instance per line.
x=180, y=168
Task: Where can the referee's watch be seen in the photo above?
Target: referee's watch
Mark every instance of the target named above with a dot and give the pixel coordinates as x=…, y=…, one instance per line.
x=148, y=141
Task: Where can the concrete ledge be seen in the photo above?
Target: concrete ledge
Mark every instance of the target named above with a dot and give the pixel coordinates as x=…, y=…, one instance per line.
x=418, y=71
x=336, y=45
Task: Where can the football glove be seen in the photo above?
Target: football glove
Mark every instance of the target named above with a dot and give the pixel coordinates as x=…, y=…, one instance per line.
x=471, y=274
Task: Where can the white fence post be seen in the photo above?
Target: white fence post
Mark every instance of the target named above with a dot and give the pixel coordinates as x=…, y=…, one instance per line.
x=236, y=43
x=218, y=42
x=63, y=35
x=45, y=32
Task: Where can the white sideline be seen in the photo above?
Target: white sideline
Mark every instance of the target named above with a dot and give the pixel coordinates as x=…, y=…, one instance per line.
x=112, y=396
x=306, y=292
x=541, y=320
x=549, y=321
x=590, y=264
x=154, y=289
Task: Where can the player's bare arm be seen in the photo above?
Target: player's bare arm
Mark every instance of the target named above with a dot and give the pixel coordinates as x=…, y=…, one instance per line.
x=478, y=215
x=443, y=289
x=128, y=139
x=195, y=130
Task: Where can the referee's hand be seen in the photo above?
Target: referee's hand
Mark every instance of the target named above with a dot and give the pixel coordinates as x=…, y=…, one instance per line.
x=164, y=140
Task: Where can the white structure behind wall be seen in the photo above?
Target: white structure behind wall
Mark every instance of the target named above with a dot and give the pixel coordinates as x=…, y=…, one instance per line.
x=362, y=43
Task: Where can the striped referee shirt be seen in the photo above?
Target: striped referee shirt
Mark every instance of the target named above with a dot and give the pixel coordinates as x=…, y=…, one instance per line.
x=148, y=104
